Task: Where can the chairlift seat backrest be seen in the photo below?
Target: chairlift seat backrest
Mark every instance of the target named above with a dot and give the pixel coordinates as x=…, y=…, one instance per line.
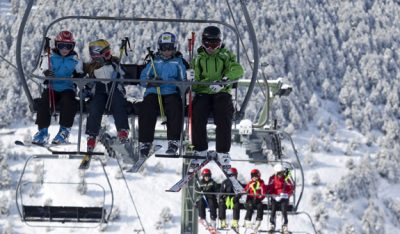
x=63, y=214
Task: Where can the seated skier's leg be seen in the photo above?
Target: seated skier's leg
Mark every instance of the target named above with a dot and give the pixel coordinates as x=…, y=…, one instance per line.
x=147, y=123
x=173, y=111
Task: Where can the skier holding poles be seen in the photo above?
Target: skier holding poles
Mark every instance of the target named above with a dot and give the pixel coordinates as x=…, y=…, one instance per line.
x=162, y=98
x=62, y=62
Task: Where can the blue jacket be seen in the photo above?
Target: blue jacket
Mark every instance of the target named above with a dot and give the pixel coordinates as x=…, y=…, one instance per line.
x=64, y=67
x=166, y=69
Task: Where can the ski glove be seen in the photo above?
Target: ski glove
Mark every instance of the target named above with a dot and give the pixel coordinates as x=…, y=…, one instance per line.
x=217, y=87
x=48, y=73
x=190, y=75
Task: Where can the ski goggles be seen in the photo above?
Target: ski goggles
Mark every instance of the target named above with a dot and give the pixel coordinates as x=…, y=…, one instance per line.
x=212, y=43
x=167, y=46
x=65, y=46
x=103, y=54
x=254, y=175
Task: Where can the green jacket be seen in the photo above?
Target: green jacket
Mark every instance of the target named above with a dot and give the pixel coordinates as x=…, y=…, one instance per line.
x=213, y=67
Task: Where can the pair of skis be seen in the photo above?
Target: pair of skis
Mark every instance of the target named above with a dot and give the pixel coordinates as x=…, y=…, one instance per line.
x=197, y=164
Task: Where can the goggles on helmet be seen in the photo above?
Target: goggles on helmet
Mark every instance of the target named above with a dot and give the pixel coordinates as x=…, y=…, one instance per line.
x=254, y=175
x=167, y=46
x=103, y=53
x=64, y=46
x=212, y=43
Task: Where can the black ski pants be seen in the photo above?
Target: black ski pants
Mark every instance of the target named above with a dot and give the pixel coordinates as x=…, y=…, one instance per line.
x=97, y=107
x=211, y=203
x=68, y=107
x=222, y=209
x=252, y=205
x=283, y=203
x=149, y=110
x=221, y=107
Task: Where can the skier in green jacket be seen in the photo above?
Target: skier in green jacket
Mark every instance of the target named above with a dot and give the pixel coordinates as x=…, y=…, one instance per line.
x=214, y=63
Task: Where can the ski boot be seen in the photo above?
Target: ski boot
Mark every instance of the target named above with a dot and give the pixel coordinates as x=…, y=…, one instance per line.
x=271, y=228
x=222, y=224
x=145, y=148
x=172, y=147
x=62, y=136
x=123, y=136
x=213, y=224
x=41, y=137
x=257, y=225
x=285, y=229
x=90, y=143
x=235, y=225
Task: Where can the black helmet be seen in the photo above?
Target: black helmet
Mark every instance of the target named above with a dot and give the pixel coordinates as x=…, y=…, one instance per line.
x=211, y=33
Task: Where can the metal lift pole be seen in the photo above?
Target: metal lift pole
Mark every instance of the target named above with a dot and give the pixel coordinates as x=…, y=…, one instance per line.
x=21, y=74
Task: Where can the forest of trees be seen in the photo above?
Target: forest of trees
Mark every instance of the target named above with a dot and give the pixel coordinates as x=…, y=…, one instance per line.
x=344, y=52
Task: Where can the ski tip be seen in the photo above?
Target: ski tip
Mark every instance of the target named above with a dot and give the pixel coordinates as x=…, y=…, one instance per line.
x=172, y=191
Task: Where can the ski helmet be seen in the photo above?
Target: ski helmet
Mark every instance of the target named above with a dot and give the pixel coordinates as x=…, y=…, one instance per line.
x=206, y=172
x=211, y=37
x=99, y=49
x=234, y=171
x=255, y=173
x=278, y=168
x=65, y=40
x=167, y=41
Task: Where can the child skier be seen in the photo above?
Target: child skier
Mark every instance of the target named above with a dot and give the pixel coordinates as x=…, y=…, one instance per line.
x=63, y=63
x=256, y=190
x=104, y=65
x=207, y=185
x=229, y=201
x=214, y=63
x=169, y=67
x=281, y=188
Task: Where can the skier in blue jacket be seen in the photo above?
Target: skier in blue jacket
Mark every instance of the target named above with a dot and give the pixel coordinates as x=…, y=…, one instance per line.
x=169, y=67
x=63, y=63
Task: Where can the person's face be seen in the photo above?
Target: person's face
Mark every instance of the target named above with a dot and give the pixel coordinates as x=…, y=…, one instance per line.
x=167, y=53
x=167, y=50
x=207, y=177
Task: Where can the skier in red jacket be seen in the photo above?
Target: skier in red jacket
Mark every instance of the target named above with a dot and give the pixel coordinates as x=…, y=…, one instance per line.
x=280, y=187
x=256, y=190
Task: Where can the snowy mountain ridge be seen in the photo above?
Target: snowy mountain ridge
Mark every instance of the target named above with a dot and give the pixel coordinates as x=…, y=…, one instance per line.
x=342, y=59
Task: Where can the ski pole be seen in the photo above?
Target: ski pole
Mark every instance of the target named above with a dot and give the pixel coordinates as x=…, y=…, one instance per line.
x=52, y=101
x=123, y=48
x=160, y=103
x=190, y=107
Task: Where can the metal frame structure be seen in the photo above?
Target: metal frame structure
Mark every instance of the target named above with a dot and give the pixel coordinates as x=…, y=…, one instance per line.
x=39, y=213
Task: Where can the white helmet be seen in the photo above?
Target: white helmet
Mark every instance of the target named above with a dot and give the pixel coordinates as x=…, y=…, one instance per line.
x=278, y=168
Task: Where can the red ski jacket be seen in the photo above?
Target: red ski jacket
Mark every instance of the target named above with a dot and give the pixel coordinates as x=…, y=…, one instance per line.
x=256, y=189
x=278, y=184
